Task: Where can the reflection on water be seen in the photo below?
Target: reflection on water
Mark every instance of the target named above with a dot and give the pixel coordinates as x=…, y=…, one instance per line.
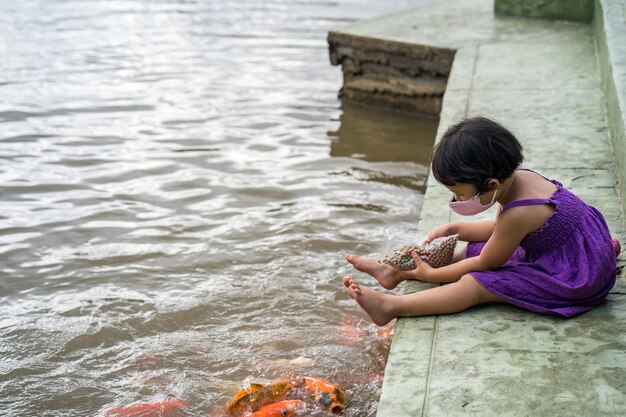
x=375, y=135
x=174, y=212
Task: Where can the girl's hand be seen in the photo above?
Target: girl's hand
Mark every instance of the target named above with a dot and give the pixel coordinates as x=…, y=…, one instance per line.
x=439, y=231
x=423, y=270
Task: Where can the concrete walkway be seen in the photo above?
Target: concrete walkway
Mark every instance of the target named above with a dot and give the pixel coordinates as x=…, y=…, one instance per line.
x=541, y=79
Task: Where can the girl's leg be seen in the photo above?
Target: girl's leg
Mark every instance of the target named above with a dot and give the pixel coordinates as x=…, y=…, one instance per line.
x=445, y=299
x=460, y=252
x=387, y=276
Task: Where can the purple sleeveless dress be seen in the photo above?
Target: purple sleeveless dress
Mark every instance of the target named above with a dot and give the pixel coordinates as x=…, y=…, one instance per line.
x=566, y=267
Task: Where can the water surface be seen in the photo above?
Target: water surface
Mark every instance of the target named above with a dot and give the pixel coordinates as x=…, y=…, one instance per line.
x=179, y=184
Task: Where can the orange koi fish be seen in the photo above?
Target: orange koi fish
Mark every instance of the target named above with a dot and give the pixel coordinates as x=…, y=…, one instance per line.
x=156, y=409
x=294, y=393
x=325, y=393
x=258, y=396
x=280, y=409
x=243, y=395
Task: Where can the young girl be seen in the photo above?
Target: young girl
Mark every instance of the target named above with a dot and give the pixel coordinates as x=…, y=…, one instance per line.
x=547, y=251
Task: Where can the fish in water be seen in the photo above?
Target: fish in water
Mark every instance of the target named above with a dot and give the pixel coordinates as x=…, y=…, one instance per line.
x=165, y=408
x=315, y=392
x=324, y=393
x=280, y=409
x=258, y=396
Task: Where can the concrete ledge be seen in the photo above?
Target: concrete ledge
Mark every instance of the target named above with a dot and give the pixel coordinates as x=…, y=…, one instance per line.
x=398, y=75
x=575, y=10
x=609, y=26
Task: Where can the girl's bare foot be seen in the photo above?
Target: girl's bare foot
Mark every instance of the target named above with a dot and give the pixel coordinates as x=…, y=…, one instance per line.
x=371, y=301
x=387, y=276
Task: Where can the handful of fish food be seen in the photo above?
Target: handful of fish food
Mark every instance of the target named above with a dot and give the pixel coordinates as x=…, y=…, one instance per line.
x=289, y=397
x=437, y=253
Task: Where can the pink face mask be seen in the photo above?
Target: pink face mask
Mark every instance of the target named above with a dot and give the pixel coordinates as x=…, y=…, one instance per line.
x=472, y=206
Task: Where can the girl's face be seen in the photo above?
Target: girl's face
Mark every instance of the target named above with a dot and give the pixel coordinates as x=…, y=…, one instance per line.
x=463, y=192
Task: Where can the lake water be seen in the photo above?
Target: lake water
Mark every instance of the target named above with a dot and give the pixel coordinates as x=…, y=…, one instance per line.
x=179, y=184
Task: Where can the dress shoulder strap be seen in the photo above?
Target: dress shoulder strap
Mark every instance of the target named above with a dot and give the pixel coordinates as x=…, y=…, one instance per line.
x=532, y=201
x=528, y=202
x=543, y=176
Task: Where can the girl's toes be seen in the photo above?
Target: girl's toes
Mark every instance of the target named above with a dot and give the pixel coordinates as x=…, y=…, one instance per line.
x=352, y=258
x=617, y=248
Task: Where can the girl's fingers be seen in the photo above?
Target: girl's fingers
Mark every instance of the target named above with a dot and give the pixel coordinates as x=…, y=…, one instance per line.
x=430, y=237
x=418, y=260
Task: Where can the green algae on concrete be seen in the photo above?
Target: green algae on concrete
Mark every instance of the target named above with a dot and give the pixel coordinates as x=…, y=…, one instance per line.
x=541, y=79
x=575, y=10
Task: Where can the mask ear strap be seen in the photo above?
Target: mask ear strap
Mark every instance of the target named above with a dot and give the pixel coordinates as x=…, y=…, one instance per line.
x=494, y=195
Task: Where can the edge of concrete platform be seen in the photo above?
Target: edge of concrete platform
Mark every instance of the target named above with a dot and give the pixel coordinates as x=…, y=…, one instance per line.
x=390, y=73
x=407, y=374
x=609, y=24
x=574, y=10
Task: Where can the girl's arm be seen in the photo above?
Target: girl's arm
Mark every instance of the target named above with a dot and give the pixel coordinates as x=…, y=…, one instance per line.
x=508, y=232
x=450, y=273
x=468, y=232
x=475, y=231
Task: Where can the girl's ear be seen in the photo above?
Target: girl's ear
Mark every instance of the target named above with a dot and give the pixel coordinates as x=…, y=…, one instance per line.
x=493, y=184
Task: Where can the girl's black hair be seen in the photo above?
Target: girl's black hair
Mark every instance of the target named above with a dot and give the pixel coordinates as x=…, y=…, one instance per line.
x=475, y=151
